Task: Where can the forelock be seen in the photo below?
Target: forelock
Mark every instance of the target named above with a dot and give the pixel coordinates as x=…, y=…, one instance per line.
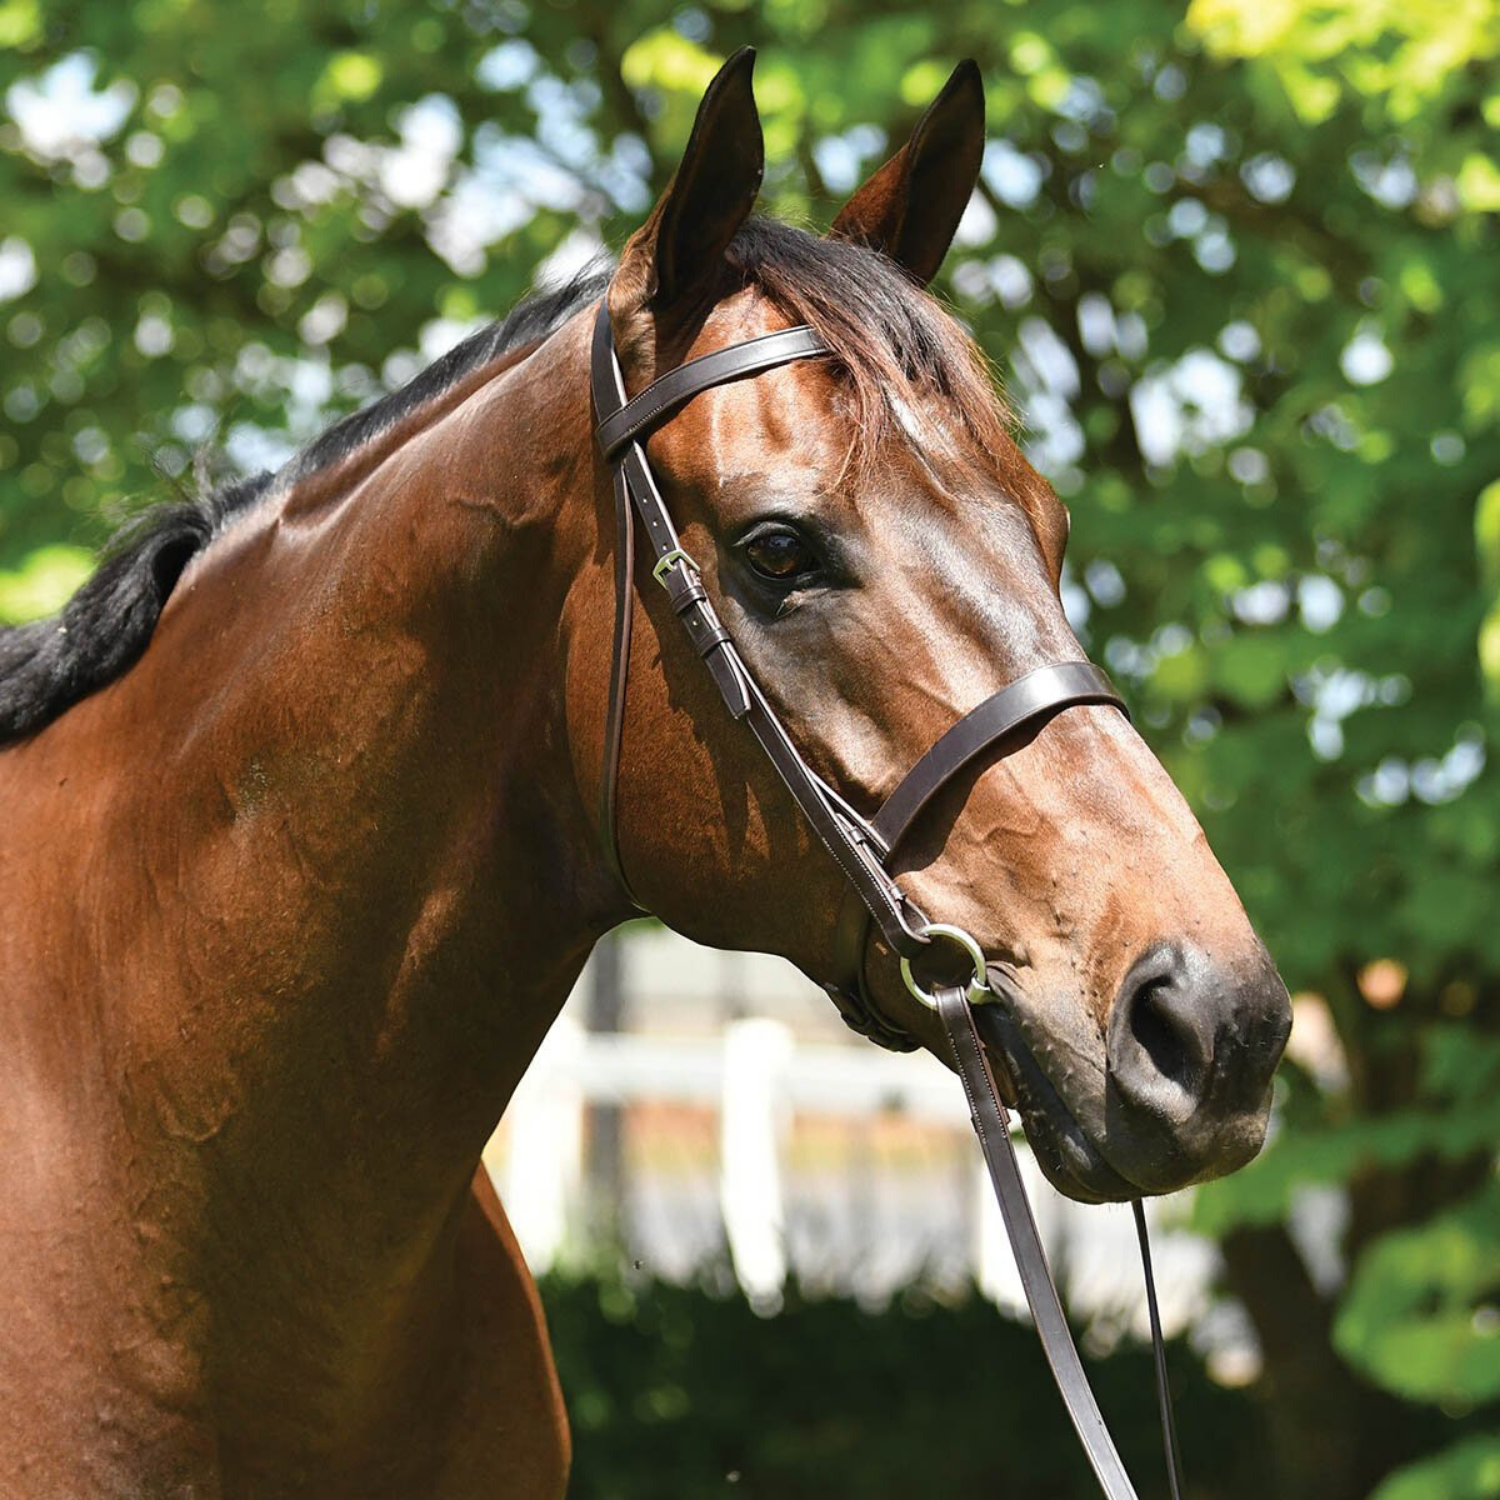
x=892, y=341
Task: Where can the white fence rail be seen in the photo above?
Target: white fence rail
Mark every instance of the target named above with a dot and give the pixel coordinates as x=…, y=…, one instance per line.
x=757, y=1077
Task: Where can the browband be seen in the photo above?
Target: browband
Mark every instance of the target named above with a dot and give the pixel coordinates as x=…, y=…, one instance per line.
x=663, y=397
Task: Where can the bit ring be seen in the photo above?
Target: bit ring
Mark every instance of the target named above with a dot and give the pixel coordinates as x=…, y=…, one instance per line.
x=978, y=986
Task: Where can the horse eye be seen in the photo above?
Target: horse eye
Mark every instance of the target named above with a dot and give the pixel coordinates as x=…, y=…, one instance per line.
x=780, y=556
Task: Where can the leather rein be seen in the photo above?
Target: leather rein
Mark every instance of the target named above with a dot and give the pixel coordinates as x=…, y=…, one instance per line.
x=861, y=847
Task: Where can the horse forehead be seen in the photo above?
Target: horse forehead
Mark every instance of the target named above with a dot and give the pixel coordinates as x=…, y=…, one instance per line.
x=787, y=419
x=794, y=428
x=799, y=421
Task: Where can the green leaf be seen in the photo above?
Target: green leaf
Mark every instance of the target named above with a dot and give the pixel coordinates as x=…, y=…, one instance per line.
x=350, y=77
x=1469, y=1470
x=20, y=23
x=665, y=59
x=1252, y=669
x=1487, y=532
x=1479, y=183
x=1420, y=1315
x=43, y=583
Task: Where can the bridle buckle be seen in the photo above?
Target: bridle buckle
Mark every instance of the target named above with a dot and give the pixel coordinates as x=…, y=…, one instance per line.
x=670, y=560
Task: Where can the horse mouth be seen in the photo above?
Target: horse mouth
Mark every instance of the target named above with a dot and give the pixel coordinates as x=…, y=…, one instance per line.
x=1068, y=1157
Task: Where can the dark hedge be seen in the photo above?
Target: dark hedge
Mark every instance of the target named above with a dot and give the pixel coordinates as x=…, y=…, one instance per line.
x=680, y=1392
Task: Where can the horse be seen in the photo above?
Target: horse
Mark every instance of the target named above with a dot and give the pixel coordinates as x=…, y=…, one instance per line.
x=302, y=853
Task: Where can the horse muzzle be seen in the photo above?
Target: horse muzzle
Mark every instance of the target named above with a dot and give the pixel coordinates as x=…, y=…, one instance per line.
x=1175, y=1091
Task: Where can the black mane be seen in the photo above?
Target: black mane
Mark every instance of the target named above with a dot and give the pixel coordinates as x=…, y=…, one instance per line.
x=48, y=666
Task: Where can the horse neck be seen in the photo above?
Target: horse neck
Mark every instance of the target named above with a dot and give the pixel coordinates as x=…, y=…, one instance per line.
x=324, y=869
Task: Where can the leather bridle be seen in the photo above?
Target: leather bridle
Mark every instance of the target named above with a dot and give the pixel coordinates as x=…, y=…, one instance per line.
x=861, y=847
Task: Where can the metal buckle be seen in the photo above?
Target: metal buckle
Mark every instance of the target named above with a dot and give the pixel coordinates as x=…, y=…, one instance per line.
x=664, y=565
x=978, y=987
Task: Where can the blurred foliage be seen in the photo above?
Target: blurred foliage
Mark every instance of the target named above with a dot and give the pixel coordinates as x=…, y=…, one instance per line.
x=44, y=582
x=683, y=1392
x=1467, y=1471
x=1419, y=1316
x=1238, y=260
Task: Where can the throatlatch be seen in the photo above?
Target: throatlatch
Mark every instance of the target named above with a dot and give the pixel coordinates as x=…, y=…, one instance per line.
x=861, y=847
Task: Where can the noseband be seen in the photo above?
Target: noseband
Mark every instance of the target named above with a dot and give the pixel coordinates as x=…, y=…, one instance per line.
x=862, y=847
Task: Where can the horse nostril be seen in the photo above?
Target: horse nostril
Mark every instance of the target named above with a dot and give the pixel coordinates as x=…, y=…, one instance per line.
x=1162, y=1020
x=1162, y=1035
x=1191, y=1045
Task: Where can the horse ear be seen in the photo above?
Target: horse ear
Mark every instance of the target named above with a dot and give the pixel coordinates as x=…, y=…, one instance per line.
x=910, y=208
x=679, y=249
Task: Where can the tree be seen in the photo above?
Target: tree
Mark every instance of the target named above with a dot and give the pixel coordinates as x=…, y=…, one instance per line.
x=1239, y=264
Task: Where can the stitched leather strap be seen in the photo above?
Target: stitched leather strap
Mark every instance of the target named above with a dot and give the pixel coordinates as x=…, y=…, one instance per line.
x=672, y=391
x=992, y=1126
x=1159, y=1354
x=1023, y=701
x=854, y=845
x=619, y=663
x=859, y=846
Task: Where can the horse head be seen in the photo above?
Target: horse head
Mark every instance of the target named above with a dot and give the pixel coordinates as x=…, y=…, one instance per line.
x=885, y=559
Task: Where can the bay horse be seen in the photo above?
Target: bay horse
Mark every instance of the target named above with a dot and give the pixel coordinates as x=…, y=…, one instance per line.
x=300, y=850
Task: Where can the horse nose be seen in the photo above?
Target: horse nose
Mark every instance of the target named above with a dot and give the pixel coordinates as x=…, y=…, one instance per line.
x=1193, y=1042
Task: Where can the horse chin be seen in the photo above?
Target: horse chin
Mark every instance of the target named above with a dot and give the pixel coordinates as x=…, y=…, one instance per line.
x=1067, y=1155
